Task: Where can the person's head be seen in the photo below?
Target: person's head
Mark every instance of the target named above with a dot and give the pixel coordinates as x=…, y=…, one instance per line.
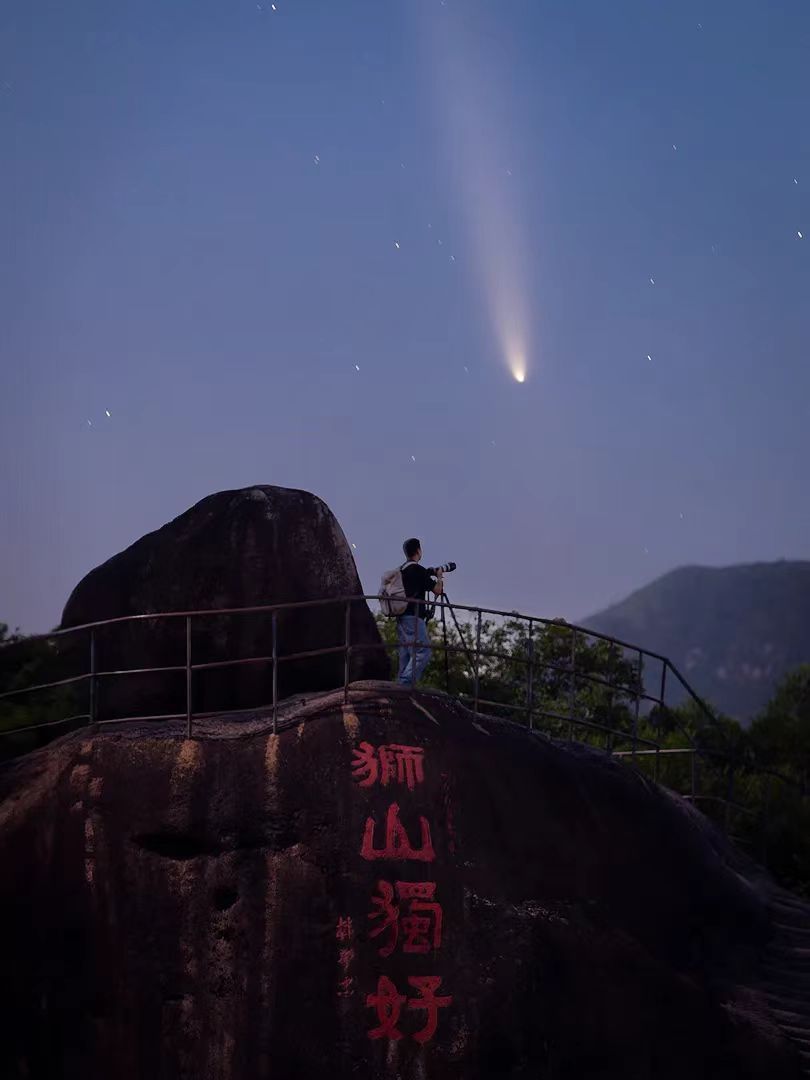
x=412, y=549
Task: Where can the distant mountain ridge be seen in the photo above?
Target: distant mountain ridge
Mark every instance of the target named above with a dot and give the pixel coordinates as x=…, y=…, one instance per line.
x=733, y=631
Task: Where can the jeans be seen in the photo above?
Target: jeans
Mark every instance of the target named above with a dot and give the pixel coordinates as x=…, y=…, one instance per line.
x=412, y=661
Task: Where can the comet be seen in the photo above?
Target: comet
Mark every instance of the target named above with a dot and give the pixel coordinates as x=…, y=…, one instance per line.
x=470, y=124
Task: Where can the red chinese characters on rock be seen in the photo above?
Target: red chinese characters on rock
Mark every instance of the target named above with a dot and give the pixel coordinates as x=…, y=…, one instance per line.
x=388, y=764
x=389, y=1003
x=405, y=916
x=345, y=930
x=420, y=925
x=397, y=845
x=344, y=935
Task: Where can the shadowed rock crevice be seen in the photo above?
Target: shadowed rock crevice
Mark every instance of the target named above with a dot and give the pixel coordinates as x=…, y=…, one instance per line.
x=175, y=846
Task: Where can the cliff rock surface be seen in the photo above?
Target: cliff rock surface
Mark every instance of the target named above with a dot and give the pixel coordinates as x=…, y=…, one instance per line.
x=391, y=888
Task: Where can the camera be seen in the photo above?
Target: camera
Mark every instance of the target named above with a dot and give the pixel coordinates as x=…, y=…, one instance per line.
x=446, y=568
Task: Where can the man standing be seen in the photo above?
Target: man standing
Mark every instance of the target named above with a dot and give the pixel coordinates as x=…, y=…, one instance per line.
x=414, y=643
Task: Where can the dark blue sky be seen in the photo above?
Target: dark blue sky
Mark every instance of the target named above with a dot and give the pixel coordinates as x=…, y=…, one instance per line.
x=201, y=204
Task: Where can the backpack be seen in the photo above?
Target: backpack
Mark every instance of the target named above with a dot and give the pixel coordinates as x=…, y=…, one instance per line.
x=393, y=600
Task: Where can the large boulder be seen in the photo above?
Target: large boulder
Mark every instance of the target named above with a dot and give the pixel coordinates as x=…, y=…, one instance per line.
x=389, y=889
x=256, y=546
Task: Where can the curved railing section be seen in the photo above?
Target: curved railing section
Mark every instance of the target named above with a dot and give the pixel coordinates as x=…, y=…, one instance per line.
x=643, y=692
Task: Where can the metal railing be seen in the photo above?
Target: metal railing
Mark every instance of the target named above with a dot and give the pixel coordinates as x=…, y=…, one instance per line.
x=534, y=711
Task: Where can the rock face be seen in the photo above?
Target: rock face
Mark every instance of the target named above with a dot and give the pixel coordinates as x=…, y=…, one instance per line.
x=256, y=546
x=391, y=889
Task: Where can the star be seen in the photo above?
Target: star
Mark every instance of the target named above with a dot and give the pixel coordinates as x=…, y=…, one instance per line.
x=413, y=458
x=396, y=245
x=674, y=147
x=800, y=235
x=89, y=423
x=356, y=367
x=652, y=281
x=317, y=159
x=109, y=414
x=649, y=357
x=452, y=258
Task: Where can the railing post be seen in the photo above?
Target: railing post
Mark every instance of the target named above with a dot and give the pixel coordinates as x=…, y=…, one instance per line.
x=93, y=707
x=638, y=700
x=572, y=689
x=694, y=779
x=188, y=677
x=765, y=822
x=275, y=671
x=729, y=793
x=657, y=763
x=477, y=660
x=347, y=648
x=413, y=643
x=444, y=644
x=530, y=676
x=663, y=684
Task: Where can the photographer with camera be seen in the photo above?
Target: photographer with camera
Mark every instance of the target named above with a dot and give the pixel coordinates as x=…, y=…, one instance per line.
x=414, y=642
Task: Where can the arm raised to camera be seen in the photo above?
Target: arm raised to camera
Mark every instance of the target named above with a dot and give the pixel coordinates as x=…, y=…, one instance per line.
x=437, y=588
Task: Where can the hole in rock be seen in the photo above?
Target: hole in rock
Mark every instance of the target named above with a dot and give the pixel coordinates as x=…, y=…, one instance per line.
x=171, y=845
x=225, y=898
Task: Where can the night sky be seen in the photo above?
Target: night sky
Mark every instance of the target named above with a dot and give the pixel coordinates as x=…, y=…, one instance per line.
x=313, y=245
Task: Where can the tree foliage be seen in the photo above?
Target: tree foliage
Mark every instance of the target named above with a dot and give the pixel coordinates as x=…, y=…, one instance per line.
x=30, y=661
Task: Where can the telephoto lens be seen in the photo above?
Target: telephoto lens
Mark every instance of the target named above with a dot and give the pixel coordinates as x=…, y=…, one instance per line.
x=447, y=568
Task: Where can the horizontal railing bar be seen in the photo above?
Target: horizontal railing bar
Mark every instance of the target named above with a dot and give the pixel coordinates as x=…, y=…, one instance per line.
x=46, y=724
x=563, y=627
x=456, y=650
x=141, y=671
x=44, y=686
x=624, y=735
x=135, y=719
x=722, y=801
x=209, y=665
x=435, y=647
x=661, y=750
x=564, y=669
x=330, y=650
